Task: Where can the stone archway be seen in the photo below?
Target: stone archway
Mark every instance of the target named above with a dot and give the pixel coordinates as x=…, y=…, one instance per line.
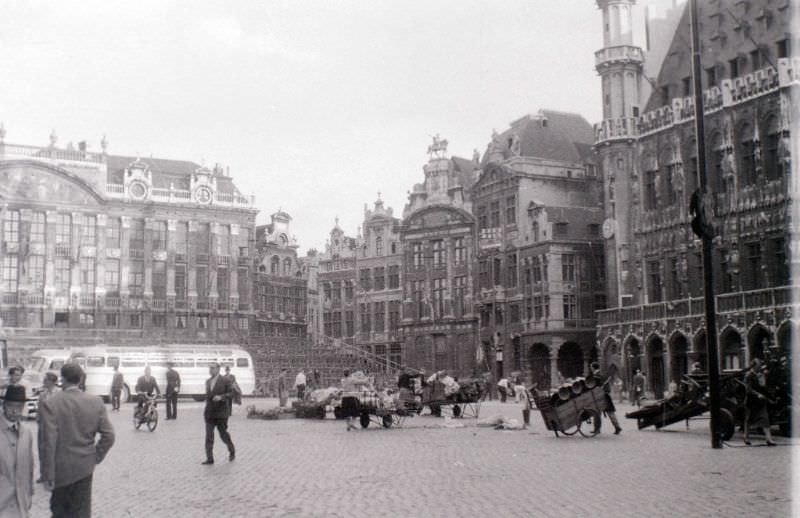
x=655, y=366
x=786, y=333
x=539, y=365
x=758, y=340
x=730, y=345
x=633, y=358
x=679, y=356
x=570, y=360
x=699, y=351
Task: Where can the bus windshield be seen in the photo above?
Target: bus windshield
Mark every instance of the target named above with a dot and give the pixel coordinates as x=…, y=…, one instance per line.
x=36, y=364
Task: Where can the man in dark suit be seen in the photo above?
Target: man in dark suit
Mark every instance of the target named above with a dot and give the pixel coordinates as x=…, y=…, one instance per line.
x=217, y=411
x=72, y=419
x=173, y=387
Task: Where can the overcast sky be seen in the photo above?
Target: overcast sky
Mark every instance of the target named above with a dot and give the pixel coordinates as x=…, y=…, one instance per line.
x=314, y=106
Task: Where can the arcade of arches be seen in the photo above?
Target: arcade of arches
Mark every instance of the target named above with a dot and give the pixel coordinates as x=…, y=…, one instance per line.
x=570, y=360
x=666, y=360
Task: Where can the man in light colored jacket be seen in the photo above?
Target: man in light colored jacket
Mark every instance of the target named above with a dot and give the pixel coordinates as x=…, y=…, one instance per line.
x=72, y=419
x=16, y=457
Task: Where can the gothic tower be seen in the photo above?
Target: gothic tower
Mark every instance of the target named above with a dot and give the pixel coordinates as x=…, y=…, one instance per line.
x=620, y=65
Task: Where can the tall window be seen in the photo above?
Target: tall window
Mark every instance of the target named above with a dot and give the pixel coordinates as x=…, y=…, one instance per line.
x=536, y=269
x=654, y=274
x=202, y=283
x=364, y=279
x=287, y=267
x=394, y=277
x=36, y=271
x=459, y=294
x=511, y=210
x=380, y=316
x=136, y=277
x=568, y=267
x=365, y=320
x=394, y=314
x=669, y=185
x=459, y=250
x=112, y=277
x=747, y=150
x=113, y=227
x=181, y=238
x=494, y=214
x=348, y=291
x=771, y=159
x=511, y=270
x=87, y=275
x=418, y=288
x=753, y=264
x=159, y=280
x=334, y=291
x=64, y=231
x=570, y=307
x=439, y=253
x=202, y=239
x=416, y=254
x=439, y=285
x=349, y=329
x=159, y=235
x=62, y=273
x=483, y=273
x=497, y=271
x=650, y=195
x=223, y=240
x=180, y=282
x=10, y=273
x=379, y=246
x=11, y=227
x=675, y=284
x=136, y=241
x=275, y=265
x=337, y=324
x=482, y=221
x=88, y=230
x=37, y=234
x=379, y=278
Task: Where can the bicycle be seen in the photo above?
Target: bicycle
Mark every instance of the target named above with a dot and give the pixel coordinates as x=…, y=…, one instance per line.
x=147, y=414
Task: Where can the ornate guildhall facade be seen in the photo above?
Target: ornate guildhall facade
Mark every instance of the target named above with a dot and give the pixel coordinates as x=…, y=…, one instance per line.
x=113, y=247
x=646, y=149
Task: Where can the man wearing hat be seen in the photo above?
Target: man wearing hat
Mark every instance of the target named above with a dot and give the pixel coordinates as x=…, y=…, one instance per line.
x=604, y=382
x=16, y=457
x=72, y=419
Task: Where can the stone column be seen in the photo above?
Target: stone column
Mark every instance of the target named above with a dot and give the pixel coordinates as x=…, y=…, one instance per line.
x=191, y=268
x=124, y=259
x=213, y=294
x=48, y=316
x=233, y=271
x=148, y=260
x=171, y=235
x=100, y=270
x=75, y=271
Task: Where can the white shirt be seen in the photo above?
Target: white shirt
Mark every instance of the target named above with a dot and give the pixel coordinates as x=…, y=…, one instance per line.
x=300, y=379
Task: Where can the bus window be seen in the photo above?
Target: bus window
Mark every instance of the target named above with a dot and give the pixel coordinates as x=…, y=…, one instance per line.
x=95, y=361
x=113, y=361
x=242, y=362
x=157, y=363
x=133, y=363
x=225, y=353
x=226, y=362
x=56, y=364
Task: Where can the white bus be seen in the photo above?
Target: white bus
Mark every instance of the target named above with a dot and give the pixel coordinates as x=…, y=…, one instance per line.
x=190, y=361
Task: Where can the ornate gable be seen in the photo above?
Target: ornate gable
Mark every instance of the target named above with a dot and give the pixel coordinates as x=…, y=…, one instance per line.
x=37, y=182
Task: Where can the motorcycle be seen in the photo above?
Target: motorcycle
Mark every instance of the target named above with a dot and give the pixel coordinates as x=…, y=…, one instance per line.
x=147, y=414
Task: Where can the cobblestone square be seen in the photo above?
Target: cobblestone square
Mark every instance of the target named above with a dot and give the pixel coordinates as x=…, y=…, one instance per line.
x=310, y=468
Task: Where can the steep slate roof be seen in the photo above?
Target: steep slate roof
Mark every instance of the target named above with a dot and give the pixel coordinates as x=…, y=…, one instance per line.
x=164, y=172
x=466, y=171
x=550, y=135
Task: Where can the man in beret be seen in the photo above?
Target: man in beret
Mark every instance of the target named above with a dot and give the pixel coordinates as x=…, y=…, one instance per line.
x=16, y=457
x=72, y=419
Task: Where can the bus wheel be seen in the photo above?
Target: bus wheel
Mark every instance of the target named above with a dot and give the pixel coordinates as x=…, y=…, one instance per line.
x=125, y=397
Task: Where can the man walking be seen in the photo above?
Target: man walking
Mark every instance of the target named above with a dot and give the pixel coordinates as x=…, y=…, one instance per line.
x=49, y=388
x=173, y=388
x=638, y=387
x=117, y=382
x=605, y=382
x=216, y=413
x=282, y=388
x=16, y=457
x=72, y=419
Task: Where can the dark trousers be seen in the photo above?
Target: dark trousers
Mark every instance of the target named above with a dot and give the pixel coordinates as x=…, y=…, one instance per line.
x=220, y=424
x=172, y=405
x=301, y=391
x=115, y=399
x=73, y=500
x=503, y=394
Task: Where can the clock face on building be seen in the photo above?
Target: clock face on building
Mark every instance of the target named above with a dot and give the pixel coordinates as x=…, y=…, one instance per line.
x=203, y=195
x=609, y=226
x=138, y=190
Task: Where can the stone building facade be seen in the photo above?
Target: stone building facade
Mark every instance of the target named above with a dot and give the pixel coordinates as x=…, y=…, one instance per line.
x=109, y=248
x=438, y=239
x=540, y=270
x=649, y=167
x=280, y=291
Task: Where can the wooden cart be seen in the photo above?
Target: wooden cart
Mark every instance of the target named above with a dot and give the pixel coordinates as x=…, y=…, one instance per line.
x=581, y=413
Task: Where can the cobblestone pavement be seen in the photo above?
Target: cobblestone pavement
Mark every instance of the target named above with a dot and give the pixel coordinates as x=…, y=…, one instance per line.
x=307, y=468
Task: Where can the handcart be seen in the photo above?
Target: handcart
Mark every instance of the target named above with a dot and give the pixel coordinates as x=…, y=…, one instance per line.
x=369, y=406
x=572, y=410
x=466, y=402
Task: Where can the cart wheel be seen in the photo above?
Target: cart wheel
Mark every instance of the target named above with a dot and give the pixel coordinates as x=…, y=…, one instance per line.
x=387, y=421
x=728, y=426
x=456, y=411
x=364, y=420
x=590, y=421
x=572, y=430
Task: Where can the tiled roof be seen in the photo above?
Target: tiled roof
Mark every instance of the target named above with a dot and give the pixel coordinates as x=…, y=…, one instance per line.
x=165, y=172
x=550, y=135
x=467, y=171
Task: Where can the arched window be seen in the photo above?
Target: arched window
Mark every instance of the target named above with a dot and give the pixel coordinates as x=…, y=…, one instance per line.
x=771, y=141
x=379, y=246
x=274, y=265
x=287, y=266
x=746, y=149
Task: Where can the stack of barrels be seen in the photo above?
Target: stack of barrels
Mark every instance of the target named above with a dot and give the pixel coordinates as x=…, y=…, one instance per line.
x=568, y=391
